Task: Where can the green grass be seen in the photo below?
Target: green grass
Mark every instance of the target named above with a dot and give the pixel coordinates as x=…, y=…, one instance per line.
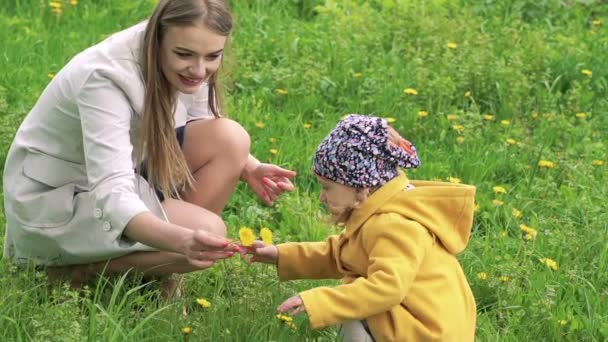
x=521, y=60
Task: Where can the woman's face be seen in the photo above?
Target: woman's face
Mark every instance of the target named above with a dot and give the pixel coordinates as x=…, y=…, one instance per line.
x=189, y=55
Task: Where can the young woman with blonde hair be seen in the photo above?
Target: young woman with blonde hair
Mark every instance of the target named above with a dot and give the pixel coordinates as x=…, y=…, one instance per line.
x=126, y=161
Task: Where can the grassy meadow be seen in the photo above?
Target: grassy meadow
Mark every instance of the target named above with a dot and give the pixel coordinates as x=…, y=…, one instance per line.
x=510, y=96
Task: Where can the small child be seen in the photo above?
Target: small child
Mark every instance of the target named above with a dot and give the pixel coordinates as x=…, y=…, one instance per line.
x=397, y=253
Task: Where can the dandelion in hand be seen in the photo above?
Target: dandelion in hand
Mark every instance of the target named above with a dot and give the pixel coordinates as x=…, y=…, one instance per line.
x=246, y=236
x=266, y=235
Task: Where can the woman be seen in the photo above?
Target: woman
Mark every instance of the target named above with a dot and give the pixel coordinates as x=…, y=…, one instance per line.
x=99, y=178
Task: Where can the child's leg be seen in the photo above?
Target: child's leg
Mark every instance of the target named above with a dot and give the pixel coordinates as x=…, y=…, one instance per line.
x=354, y=331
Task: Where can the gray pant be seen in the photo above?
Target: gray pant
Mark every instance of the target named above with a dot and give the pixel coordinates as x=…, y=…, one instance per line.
x=354, y=331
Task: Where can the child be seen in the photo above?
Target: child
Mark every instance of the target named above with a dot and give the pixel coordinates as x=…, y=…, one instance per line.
x=396, y=255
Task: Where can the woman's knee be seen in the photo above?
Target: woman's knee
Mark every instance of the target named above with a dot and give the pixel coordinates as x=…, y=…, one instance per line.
x=213, y=224
x=231, y=138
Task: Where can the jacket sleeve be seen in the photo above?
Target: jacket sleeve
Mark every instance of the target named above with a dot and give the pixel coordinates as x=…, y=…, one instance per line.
x=308, y=260
x=396, y=248
x=105, y=116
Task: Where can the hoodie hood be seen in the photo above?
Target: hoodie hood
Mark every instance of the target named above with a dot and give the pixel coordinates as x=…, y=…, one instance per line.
x=445, y=209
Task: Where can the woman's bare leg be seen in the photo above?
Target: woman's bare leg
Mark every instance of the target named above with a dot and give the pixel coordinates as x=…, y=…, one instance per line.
x=216, y=151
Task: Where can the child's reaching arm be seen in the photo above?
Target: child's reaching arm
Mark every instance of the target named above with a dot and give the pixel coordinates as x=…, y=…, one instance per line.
x=300, y=260
x=396, y=248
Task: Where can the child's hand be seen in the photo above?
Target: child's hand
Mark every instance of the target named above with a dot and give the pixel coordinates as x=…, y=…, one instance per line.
x=294, y=304
x=260, y=252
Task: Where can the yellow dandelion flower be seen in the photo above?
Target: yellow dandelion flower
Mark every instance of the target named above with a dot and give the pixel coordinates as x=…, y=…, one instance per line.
x=203, y=302
x=552, y=264
x=390, y=119
x=50, y=75
x=272, y=140
x=504, y=279
x=534, y=115
x=452, y=117
x=246, y=236
x=291, y=325
x=284, y=318
x=488, y=117
x=581, y=115
x=596, y=22
x=497, y=202
x=186, y=330
x=562, y=322
x=516, y=213
x=460, y=139
x=260, y=124
x=482, y=275
x=423, y=114
x=499, y=190
x=274, y=151
x=586, y=72
x=503, y=234
x=597, y=162
x=454, y=180
x=546, y=164
x=357, y=74
x=458, y=128
x=55, y=4
x=281, y=91
x=410, y=91
x=307, y=125
x=505, y=122
x=511, y=141
x=452, y=45
x=266, y=235
x=467, y=94
x=529, y=232
x=73, y=2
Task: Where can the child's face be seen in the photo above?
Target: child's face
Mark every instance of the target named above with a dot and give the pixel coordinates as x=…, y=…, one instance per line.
x=336, y=197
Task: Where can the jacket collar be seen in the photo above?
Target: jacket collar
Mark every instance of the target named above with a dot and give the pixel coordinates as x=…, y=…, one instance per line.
x=374, y=202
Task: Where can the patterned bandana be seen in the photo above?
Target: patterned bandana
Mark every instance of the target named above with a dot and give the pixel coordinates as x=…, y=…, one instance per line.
x=357, y=153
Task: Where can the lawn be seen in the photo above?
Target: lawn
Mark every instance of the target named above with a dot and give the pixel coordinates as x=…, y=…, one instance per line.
x=510, y=96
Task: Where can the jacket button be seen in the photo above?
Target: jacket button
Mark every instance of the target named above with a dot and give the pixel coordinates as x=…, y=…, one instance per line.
x=97, y=213
x=106, y=226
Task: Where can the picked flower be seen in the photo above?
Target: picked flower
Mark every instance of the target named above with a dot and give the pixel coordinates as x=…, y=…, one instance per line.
x=203, y=302
x=246, y=236
x=266, y=235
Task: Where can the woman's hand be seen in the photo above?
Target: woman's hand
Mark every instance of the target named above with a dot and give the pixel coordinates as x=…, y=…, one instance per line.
x=202, y=249
x=294, y=305
x=260, y=252
x=268, y=181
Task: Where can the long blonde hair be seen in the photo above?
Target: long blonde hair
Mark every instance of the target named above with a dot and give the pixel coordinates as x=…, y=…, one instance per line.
x=160, y=153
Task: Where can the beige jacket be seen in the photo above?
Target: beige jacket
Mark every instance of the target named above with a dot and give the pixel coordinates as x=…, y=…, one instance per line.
x=69, y=181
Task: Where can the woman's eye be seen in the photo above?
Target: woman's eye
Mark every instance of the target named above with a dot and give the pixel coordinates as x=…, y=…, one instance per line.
x=212, y=57
x=183, y=54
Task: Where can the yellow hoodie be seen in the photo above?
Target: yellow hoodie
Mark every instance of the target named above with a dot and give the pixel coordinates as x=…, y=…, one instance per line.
x=397, y=260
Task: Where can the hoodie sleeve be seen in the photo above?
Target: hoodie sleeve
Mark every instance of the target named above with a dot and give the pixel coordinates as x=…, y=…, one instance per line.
x=308, y=260
x=396, y=248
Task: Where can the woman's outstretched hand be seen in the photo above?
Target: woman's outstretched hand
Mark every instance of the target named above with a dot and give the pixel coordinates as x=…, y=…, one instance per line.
x=202, y=248
x=260, y=252
x=268, y=181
